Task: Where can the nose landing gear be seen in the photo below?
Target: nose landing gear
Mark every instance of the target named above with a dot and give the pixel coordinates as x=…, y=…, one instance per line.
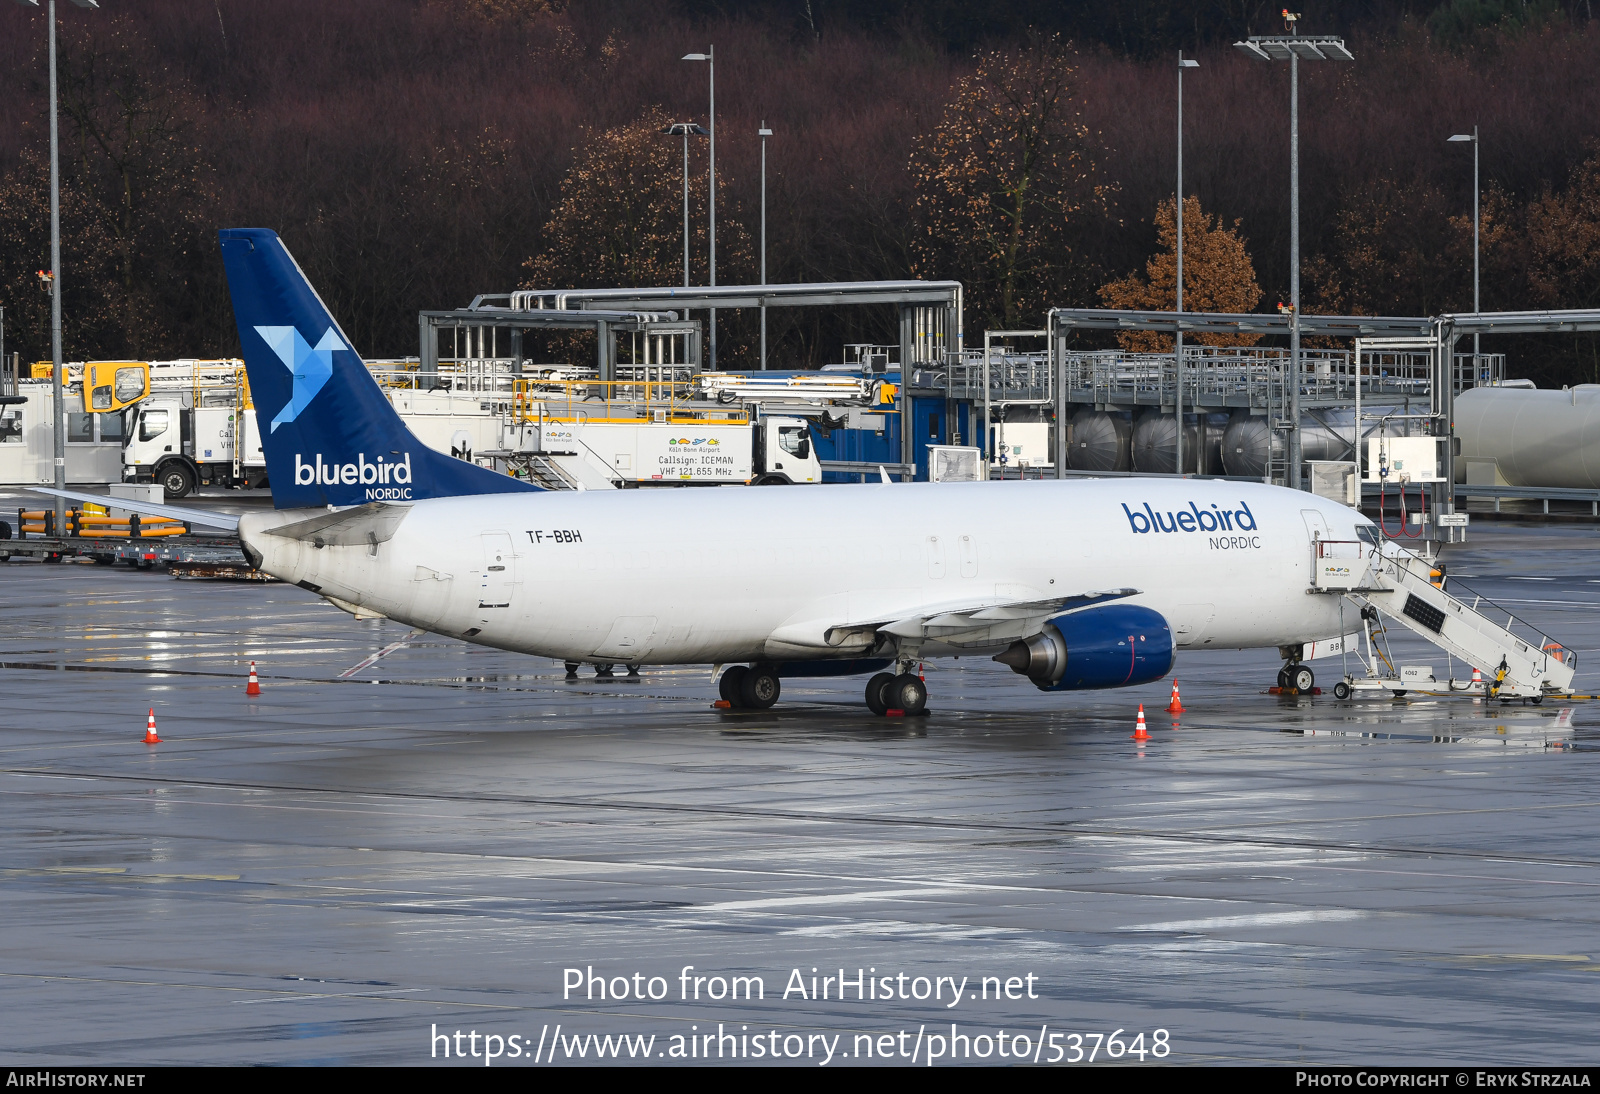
x=1297, y=676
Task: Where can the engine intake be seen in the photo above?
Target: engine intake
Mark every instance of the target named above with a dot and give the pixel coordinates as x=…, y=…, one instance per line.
x=1112, y=646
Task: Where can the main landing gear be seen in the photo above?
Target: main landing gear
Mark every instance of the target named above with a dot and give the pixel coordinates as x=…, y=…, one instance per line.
x=602, y=671
x=904, y=692
x=757, y=687
x=750, y=687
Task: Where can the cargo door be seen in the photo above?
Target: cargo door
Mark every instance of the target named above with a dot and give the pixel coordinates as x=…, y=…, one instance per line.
x=499, y=571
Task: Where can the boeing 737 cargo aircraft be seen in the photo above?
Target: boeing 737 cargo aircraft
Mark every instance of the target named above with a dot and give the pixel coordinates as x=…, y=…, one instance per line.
x=1074, y=584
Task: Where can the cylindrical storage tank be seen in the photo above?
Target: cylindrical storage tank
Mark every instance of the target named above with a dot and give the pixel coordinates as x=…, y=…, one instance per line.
x=1211, y=427
x=1319, y=442
x=1245, y=444
x=1531, y=437
x=1098, y=441
x=1325, y=437
x=1155, y=443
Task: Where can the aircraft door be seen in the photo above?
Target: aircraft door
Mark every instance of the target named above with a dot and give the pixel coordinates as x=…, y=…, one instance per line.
x=499, y=571
x=1316, y=526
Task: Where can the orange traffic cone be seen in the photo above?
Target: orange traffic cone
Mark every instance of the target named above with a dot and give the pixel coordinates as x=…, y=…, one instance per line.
x=1176, y=706
x=150, y=737
x=1138, y=731
x=254, y=686
x=1477, y=680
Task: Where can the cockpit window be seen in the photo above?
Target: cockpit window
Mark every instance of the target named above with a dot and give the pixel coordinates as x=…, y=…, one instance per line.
x=1368, y=533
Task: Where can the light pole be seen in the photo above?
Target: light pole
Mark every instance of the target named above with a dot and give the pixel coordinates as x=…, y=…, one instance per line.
x=1476, y=366
x=763, y=133
x=1294, y=48
x=57, y=379
x=685, y=130
x=1177, y=346
x=710, y=58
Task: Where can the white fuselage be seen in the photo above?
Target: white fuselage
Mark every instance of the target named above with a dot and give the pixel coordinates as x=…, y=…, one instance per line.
x=742, y=574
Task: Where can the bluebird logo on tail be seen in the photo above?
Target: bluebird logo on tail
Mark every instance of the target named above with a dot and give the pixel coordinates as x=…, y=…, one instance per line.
x=310, y=367
x=334, y=439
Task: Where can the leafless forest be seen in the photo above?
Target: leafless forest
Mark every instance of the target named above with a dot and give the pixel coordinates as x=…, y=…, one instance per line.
x=414, y=153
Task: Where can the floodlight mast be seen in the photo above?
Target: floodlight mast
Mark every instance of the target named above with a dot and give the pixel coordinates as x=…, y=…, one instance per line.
x=763, y=132
x=57, y=371
x=1473, y=138
x=1293, y=48
x=685, y=130
x=710, y=58
x=1177, y=345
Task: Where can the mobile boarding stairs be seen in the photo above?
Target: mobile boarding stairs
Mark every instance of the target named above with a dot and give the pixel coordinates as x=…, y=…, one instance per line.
x=1410, y=590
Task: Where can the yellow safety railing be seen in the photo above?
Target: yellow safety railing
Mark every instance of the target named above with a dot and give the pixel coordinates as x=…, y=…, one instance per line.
x=41, y=522
x=630, y=402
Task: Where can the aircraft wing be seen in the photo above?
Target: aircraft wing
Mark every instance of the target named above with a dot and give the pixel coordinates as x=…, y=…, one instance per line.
x=995, y=621
x=174, y=512
x=974, y=623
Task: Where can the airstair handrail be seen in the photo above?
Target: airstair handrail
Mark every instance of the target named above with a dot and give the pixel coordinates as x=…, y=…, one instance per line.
x=1548, y=648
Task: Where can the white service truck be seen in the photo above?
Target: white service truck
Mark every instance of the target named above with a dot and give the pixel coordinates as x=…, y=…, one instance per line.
x=768, y=451
x=185, y=447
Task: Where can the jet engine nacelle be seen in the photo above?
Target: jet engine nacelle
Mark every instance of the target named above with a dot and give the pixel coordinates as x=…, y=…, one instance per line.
x=1112, y=646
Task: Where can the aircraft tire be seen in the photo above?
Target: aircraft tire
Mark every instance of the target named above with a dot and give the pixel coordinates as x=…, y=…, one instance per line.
x=1283, y=678
x=1302, y=679
x=759, y=688
x=907, y=692
x=731, y=684
x=875, y=689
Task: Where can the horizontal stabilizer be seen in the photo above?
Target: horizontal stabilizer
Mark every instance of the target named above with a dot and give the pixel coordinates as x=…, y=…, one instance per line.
x=374, y=522
x=143, y=508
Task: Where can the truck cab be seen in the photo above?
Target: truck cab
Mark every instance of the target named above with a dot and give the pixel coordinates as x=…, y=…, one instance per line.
x=783, y=453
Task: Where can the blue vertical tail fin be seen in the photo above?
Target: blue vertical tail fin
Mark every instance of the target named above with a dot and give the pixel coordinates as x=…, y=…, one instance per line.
x=329, y=435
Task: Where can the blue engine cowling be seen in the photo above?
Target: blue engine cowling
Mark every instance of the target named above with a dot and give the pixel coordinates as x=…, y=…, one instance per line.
x=1112, y=646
